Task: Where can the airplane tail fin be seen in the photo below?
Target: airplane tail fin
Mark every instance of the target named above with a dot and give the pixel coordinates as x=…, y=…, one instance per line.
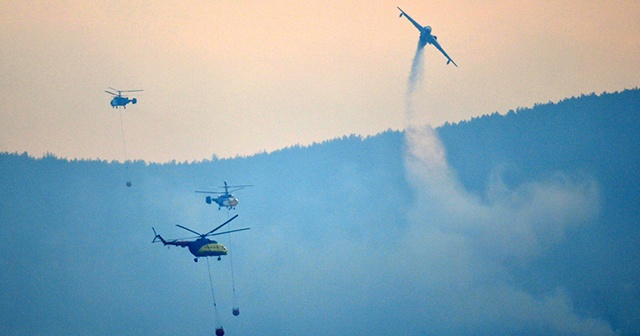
x=158, y=237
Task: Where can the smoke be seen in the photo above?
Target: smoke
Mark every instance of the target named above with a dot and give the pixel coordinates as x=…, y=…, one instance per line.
x=459, y=244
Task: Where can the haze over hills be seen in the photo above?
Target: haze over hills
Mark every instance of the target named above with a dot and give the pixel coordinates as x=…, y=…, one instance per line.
x=529, y=225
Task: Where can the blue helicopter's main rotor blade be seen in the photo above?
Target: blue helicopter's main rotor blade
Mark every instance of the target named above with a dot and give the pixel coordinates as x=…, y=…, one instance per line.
x=188, y=229
x=221, y=233
x=121, y=91
x=221, y=225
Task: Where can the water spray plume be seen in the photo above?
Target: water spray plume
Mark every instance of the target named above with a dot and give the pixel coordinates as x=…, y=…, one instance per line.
x=415, y=77
x=457, y=238
x=416, y=68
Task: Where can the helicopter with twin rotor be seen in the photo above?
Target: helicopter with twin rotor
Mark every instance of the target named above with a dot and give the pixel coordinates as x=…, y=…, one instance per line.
x=226, y=198
x=120, y=100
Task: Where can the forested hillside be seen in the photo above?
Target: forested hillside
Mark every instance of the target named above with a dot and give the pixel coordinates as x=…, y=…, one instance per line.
x=339, y=243
x=588, y=136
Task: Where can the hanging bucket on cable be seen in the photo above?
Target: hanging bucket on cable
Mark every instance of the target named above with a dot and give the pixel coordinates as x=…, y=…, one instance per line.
x=219, y=331
x=236, y=311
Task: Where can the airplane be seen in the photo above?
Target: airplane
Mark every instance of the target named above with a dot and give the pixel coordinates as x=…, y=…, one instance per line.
x=119, y=99
x=426, y=37
x=202, y=246
x=226, y=199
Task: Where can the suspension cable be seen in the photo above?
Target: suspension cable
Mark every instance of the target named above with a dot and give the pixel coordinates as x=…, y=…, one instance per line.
x=236, y=311
x=215, y=306
x=124, y=147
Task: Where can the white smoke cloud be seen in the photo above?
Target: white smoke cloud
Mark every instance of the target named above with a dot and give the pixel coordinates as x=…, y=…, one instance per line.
x=458, y=243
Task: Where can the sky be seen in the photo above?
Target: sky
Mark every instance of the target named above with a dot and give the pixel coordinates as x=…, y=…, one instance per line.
x=228, y=78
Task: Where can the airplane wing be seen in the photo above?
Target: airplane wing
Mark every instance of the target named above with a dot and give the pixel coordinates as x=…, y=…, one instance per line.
x=410, y=19
x=437, y=45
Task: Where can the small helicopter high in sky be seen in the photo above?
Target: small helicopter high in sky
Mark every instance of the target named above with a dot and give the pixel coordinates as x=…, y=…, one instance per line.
x=226, y=199
x=120, y=100
x=202, y=246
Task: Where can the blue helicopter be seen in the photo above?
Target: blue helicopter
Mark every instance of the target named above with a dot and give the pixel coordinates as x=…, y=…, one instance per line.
x=120, y=100
x=202, y=246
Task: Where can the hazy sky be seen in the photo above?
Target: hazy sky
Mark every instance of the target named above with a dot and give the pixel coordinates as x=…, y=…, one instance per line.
x=237, y=77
